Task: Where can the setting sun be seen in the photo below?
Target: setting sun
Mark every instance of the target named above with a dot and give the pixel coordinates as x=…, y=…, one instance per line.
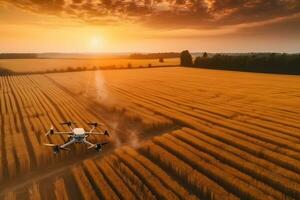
x=79, y=26
x=95, y=44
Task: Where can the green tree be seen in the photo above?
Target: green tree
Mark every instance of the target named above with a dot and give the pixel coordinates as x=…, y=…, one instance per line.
x=186, y=58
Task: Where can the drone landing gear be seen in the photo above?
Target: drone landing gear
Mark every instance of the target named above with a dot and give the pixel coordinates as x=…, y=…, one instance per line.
x=98, y=147
x=56, y=149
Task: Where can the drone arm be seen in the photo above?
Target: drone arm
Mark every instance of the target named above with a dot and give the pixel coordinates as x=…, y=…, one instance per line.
x=68, y=143
x=63, y=133
x=97, y=133
x=91, y=145
x=94, y=133
x=92, y=129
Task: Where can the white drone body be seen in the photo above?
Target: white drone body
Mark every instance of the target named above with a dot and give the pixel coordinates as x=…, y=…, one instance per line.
x=76, y=135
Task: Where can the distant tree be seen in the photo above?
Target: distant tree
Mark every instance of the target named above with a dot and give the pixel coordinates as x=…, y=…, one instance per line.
x=186, y=58
x=149, y=65
x=198, y=61
x=4, y=71
x=161, y=60
x=129, y=65
x=205, y=55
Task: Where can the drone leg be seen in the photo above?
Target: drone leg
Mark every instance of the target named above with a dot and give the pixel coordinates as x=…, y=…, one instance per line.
x=91, y=145
x=68, y=143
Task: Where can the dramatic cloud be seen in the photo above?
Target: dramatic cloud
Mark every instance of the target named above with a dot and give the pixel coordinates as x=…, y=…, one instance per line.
x=166, y=13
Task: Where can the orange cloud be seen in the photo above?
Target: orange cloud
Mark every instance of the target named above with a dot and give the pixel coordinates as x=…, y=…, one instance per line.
x=166, y=13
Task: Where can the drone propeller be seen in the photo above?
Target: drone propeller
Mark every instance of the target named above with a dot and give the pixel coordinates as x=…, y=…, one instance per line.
x=106, y=133
x=50, y=145
x=98, y=146
x=56, y=147
x=104, y=143
x=95, y=124
x=51, y=131
x=63, y=148
x=69, y=123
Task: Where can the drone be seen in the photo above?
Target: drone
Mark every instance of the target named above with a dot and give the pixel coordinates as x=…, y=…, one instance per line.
x=76, y=135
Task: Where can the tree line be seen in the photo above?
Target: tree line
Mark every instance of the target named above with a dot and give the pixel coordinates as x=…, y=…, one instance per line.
x=18, y=55
x=280, y=63
x=154, y=55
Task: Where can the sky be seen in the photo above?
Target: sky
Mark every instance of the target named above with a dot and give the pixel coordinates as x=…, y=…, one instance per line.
x=79, y=26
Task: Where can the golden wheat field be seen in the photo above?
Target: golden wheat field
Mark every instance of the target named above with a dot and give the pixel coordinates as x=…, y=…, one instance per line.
x=177, y=133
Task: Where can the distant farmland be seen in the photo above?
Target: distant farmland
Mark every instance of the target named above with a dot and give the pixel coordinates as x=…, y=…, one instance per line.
x=42, y=65
x=177, y=133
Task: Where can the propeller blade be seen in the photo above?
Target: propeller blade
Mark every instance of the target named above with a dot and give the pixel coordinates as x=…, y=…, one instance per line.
x=93, y=124
x=104, y=143
x=63, y=148
x=49, y=145
x=69, y=123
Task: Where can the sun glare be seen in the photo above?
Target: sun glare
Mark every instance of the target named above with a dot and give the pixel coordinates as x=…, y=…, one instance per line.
x=95, y=43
